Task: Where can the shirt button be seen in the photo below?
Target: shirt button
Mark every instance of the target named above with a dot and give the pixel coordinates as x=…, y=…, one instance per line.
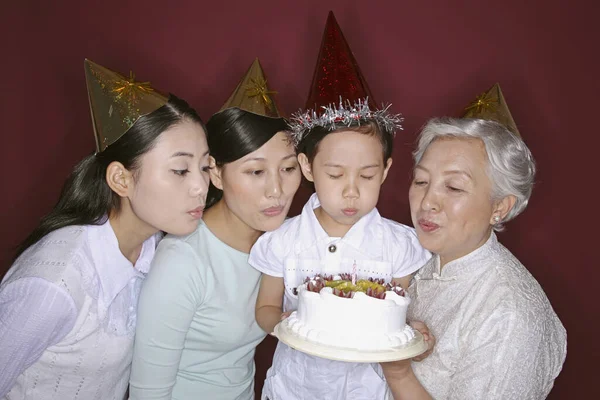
x=332, y=248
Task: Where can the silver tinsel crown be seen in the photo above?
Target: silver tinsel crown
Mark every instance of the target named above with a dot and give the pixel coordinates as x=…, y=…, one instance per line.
x=343, y=115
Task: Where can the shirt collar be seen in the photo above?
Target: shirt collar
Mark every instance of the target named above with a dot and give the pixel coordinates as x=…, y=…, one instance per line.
x=465, y=265
x=360, y=236
x=114, y=270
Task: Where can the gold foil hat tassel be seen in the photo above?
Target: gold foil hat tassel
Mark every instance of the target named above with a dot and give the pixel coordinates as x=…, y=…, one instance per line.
x=252, y=94
x=491, y=105
x=117, y=102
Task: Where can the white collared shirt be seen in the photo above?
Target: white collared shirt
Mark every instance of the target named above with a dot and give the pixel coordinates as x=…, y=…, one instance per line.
x=300, y=248
x=497, y=334
x=67, y=316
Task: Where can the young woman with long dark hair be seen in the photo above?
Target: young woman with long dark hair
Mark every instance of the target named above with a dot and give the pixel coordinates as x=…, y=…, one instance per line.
x=68, y=303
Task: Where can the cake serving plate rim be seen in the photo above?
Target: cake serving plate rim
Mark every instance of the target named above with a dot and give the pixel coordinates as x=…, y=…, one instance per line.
x=412, y=348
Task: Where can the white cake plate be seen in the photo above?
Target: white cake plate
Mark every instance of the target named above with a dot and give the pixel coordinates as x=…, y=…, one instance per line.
x=410, y=349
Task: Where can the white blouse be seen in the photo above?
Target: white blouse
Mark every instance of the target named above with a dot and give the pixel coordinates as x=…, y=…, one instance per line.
x=67, y=316
x=497, y=334
x=300, y=248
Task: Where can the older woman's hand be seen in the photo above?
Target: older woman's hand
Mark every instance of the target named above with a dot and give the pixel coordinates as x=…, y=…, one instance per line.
x=427, y=336
x=400, y=369
x=402, y=381
x=399, y=374
x=396, y=370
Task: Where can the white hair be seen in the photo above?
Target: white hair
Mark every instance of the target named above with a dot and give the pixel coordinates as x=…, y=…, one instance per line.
x=511, y=167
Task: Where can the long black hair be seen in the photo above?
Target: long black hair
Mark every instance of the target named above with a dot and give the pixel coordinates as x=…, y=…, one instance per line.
x=86, y=197
x=234, y=133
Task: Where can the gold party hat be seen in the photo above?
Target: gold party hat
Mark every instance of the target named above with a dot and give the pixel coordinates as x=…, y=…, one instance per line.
x=253, y=95
x=492, y=106
x=117, y=102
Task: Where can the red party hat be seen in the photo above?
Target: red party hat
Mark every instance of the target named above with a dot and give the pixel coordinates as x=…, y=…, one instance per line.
x=339, y=95
x=337, y=73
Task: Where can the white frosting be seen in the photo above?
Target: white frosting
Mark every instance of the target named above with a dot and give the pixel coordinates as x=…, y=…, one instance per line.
x=361, y=322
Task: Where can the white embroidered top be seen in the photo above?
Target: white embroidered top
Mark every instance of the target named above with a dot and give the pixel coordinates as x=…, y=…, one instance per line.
x=67, y=316
x=300, y=248
x=497, y=334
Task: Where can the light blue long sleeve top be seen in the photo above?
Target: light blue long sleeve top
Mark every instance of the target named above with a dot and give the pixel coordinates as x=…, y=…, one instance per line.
x=196, y=332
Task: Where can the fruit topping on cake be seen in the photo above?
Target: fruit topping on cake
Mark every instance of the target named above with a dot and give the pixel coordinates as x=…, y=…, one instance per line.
x=344, y=285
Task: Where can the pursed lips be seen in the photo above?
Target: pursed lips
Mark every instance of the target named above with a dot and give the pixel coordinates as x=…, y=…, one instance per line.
x=427, y=225
x=273, y=210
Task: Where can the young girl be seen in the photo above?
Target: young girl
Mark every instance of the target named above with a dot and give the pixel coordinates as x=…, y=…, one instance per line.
x=68, y=303
x=347, y=160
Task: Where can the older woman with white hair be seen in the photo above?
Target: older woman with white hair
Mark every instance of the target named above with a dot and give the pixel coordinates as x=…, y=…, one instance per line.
x=497, y=334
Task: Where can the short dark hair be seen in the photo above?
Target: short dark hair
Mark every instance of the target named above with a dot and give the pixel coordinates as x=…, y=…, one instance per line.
x=309, y=144
x=234, y=133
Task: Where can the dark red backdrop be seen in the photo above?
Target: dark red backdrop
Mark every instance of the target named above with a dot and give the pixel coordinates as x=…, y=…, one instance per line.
x=428, y=58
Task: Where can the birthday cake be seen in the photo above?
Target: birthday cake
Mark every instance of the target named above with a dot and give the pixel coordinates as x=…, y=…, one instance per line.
x=341, y=311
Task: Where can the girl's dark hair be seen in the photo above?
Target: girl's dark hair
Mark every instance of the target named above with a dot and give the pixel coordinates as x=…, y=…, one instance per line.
x=234, y=133
x=309, y=144
x=86, y=198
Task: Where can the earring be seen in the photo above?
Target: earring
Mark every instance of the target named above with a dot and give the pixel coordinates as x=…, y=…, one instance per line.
x=496, y=219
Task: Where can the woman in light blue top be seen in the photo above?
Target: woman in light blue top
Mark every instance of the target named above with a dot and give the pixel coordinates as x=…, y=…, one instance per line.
x=197, y=334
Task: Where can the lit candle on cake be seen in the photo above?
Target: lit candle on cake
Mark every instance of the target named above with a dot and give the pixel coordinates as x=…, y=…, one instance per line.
x=354, y=273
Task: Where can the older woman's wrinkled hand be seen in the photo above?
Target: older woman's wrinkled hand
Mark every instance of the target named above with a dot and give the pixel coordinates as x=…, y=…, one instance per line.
x=427, y=337
x=402, y=381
